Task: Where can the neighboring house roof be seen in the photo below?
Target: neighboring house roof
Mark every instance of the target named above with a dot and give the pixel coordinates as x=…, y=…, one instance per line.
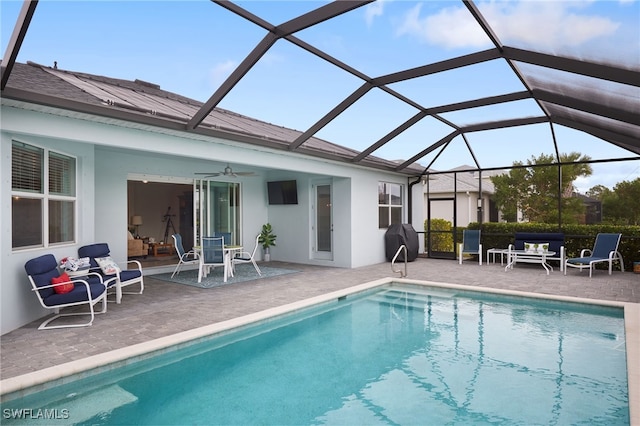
x=82, y=92
x=466, y=181
x=585, y=199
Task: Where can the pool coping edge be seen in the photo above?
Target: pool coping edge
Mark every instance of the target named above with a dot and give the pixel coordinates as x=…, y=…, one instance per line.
x=39, y=377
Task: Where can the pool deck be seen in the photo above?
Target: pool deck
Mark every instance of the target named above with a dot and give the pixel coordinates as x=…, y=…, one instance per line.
x=166, y=308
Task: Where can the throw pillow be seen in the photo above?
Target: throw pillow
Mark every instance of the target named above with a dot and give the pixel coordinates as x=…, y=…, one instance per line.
x=543, y=247
x=530, y=247
x=64, y=284
x=108, y=265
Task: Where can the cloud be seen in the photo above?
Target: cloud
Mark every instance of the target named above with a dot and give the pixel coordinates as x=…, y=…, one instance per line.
x=372, y=11
x=540, y=23
x=451, y=27
x=221, y=71
x=546, y=24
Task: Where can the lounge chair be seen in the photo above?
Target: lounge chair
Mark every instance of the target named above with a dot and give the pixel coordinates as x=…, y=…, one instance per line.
x=44, y=276
x=184, y=258
x=470, y=244
x=101, y=262
x=605, y=249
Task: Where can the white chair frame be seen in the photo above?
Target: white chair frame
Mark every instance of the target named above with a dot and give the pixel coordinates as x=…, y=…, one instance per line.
x=613, y=255
x=246, y=257
x=56, y=308
x=184, y=255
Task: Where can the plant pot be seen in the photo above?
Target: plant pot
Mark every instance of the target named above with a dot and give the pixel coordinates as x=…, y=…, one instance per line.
x=267, y=255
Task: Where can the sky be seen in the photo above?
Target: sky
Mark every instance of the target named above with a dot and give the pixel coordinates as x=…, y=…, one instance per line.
x=190, y=47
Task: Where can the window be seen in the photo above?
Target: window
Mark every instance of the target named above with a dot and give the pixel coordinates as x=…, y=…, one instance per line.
x=43, y=197
x=389, y=204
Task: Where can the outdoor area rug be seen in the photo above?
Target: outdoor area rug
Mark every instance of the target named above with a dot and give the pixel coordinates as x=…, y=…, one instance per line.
x=245, y=272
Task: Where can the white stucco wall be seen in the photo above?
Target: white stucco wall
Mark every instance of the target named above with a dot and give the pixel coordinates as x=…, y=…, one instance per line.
x=108, y=154
x=466, y=208
x=18, y=305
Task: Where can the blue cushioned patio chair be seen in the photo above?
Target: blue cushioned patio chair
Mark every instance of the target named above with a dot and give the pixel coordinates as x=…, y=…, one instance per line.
x=184, y=258
x=88, y=290
x=605, y=249
x=123, y=277
x=470, y=244
x=212, y=255
x=246, y=257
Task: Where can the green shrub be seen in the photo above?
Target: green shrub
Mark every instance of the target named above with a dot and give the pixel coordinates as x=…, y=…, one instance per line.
x=441, y=236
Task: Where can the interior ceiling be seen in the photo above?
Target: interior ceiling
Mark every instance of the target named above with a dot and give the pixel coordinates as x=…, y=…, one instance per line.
x=598, y=98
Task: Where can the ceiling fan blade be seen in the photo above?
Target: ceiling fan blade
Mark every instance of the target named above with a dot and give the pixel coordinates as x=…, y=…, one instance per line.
x=244, y=173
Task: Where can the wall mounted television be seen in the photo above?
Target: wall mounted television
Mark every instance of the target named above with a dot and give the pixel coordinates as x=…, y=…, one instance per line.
x=282, y=192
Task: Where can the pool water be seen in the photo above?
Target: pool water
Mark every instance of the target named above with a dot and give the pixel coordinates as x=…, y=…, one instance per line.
x=401, y=356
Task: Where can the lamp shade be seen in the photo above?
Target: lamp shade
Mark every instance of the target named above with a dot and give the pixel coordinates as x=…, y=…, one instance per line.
x=136, y=220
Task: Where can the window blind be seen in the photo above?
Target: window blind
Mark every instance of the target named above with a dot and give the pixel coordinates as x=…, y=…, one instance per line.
x=27, y=166
x=62, y=174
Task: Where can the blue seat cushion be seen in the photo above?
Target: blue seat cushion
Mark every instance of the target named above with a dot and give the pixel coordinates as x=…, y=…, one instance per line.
x=125, y=275
x=585, y=260
x=78, y=294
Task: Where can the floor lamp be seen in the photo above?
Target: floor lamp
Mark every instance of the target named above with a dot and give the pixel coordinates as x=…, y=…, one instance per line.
x=136, y=221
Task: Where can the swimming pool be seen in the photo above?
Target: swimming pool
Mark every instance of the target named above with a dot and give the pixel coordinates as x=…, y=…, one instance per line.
x=397, y=356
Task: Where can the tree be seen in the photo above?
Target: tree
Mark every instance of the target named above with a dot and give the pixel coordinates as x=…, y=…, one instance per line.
x=620, y=206
x=598, y=192
x=533, y=189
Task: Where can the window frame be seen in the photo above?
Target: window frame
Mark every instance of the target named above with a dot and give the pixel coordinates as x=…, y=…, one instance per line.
x=46, y=196
x=386, y=204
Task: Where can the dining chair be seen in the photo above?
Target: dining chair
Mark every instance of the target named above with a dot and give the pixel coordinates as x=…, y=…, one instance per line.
x=246, y=257
x=225, y=235
x=212, y=255
x=470, y=245
x=184, y=258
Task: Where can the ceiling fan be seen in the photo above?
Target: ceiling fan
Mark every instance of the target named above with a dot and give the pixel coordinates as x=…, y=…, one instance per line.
x=226, y=172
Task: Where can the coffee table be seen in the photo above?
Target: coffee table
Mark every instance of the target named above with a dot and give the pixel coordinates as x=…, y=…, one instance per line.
x=161, y=249
x=522, y=256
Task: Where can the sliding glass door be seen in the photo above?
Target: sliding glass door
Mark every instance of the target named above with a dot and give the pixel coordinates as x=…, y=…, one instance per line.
x=216, y=209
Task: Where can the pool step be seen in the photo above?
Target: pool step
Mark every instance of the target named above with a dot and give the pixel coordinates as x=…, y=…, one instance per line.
x=414, y=300
x=81, y=408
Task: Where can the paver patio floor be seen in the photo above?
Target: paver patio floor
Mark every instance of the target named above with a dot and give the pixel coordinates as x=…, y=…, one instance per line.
x=167, y=308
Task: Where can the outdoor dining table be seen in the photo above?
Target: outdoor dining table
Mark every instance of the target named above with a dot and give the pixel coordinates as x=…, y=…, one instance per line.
x=229, y=251
x=524, y=256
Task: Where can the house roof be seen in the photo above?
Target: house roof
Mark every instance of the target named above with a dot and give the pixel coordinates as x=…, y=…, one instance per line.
x=140, y=100
x=465, y=180
x=600, y=98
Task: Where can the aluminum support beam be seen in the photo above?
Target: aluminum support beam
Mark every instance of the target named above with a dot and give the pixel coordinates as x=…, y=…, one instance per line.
x=15, y=42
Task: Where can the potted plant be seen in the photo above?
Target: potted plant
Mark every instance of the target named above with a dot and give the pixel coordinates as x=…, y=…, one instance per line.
x=267, y=239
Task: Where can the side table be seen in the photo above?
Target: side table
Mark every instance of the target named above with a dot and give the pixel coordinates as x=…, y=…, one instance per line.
x=493, y=252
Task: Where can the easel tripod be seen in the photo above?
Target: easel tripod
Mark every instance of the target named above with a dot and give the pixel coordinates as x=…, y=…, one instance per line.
x=167, y=218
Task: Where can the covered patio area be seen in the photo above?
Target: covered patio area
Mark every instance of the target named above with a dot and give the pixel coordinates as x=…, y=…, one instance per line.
x=165, y=308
